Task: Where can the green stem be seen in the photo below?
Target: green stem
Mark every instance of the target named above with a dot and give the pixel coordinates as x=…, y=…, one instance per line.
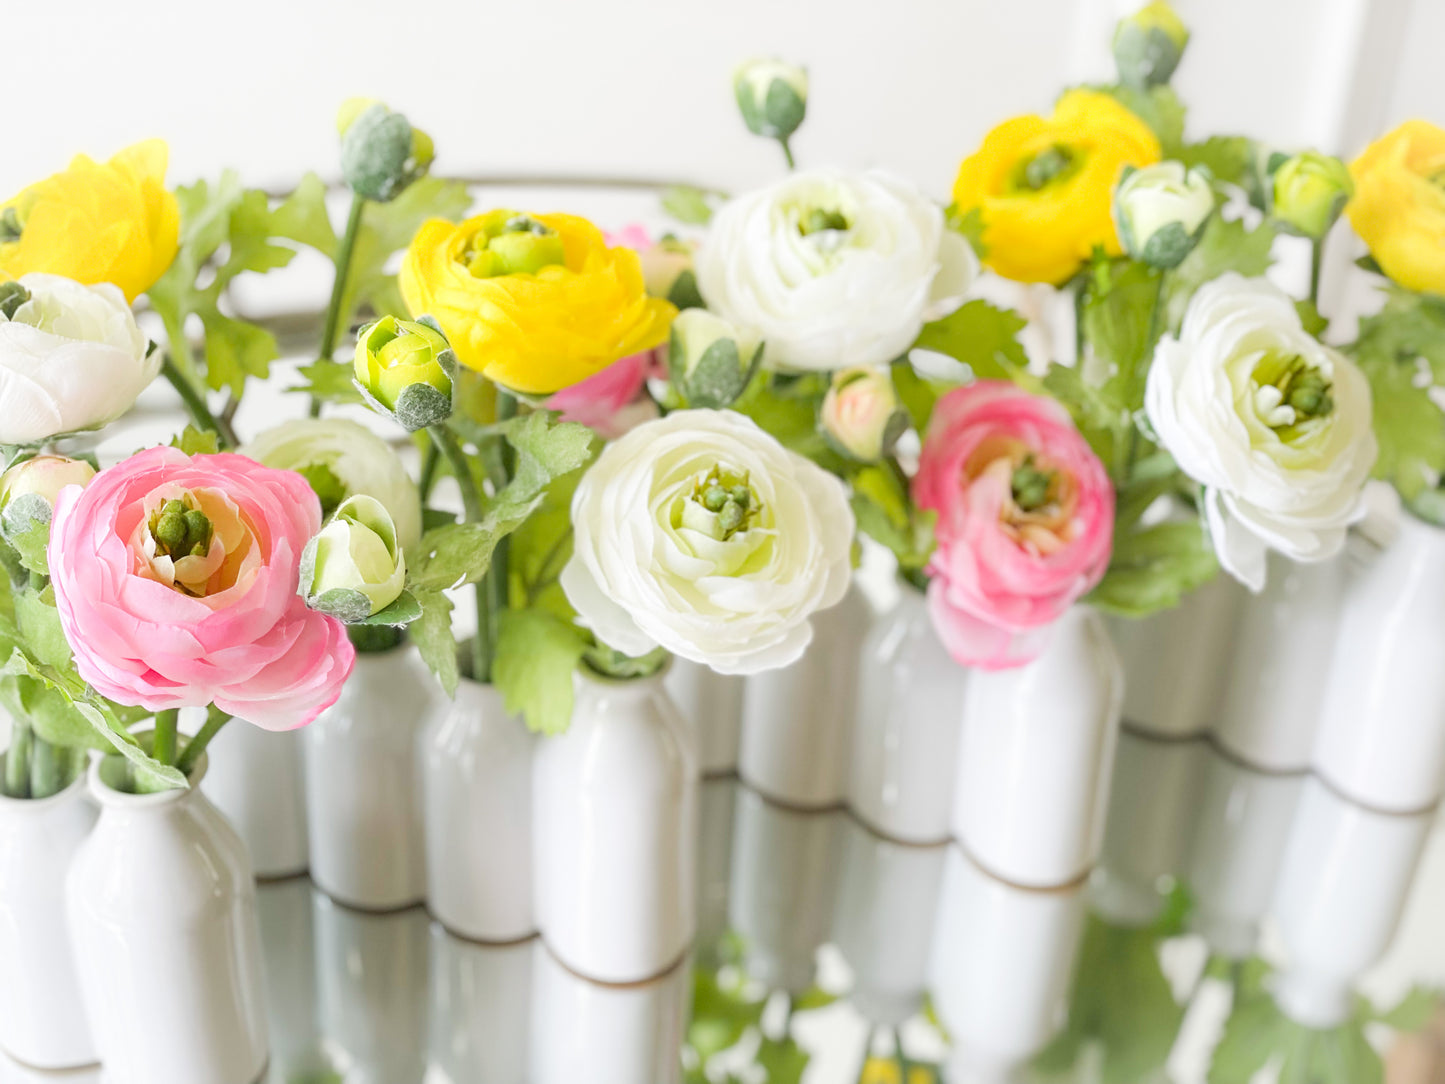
x=17, y=760
x=498, y=579
x=47, y=769
x=215, y=719
x=1317, y=261
x=1156, y=319
x=429, y=465
x=344, y=251
x=163, y=744
x=788, y=152
x=482, y=646
x=196, y=403
x=905, y=1067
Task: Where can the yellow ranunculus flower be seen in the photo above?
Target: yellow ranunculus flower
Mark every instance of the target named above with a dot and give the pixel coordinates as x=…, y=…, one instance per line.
x=1399, y=204
x=1044, y=186
x=536, y=303
x=96, y=222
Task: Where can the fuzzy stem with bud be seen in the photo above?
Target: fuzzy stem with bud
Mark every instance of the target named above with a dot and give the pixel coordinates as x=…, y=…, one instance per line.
x=344, y=251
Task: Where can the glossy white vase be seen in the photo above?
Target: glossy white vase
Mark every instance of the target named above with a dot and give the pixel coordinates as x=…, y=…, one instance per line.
x=1035, y=758
x=905, y=726
x=797, y=721
x=1001, y=965
x=1275, y=683
x=712, y=704
x=1382, y=732
x=481, y=1010
x=41, y=1019
x=162, y=908
x=363, y=784
x=615, y=816
x=257, y=780
x=587, y=1031
x=476, y=763
x=1342, y=887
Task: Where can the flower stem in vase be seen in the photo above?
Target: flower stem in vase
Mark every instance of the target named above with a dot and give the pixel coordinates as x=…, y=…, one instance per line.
x=17, y=760
x=163, y=744
x=344, y=251
x=482, y=645
x=215, y=719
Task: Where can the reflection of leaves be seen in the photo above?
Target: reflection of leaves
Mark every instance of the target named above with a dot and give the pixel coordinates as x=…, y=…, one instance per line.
x=783, y=1059
x=1413, y=1011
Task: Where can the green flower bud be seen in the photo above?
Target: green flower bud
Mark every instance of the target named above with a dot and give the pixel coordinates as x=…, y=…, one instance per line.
x=1160, y=211
x=12, y=296
x=405, y=367
x=710, y=360
x=354, y=568
x=1309, y=191
x=772, y=95
x=1149, y=44
x=43, y=476
x=381, y=153
x=861, y=415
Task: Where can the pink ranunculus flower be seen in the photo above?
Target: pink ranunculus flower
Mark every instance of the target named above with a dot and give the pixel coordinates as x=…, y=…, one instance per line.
x=170, y=605
x=1025, y=520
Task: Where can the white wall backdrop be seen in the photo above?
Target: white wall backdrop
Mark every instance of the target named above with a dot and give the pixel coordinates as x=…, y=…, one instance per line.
x=640, y=88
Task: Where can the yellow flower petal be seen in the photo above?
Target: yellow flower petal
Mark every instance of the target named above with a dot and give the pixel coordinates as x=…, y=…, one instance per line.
x=1399, y=204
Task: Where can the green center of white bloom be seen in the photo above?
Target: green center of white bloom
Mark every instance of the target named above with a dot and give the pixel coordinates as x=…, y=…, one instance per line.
x=823, y=220
x=719, y=518
x=1290, y=393
x=722, y=505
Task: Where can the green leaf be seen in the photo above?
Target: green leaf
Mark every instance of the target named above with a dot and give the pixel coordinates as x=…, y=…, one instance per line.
x=787, y=408
x=333, y=381
x=25, y=525
x=814, y=997
x=236, y=350
x=432, y=634
x=39, y=624
x=884, y=513
x=1224, y=246
x=970, y=224
x=49, y=713
x=1230, y=159
x=982, y=336
x=402, y=611
x=1102, y=417
x=1117, y=321
x=782, y=1059
x=1310, y=316
x=687, y=204
x=1154, y=568
x=1413, y=1011
x=1159, y=107
x=536, y=655
x=194, y=441
x=303, y=217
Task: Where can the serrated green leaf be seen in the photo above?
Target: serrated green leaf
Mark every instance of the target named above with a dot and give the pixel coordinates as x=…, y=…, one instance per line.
x=537, y=653
x=402, y=611
x=39, y=624
x=333, y=381
x=50, y=714
x=235, y=350
x=1224, y=246
x=884, y=513
x=786, y=407
x=195, y=441
x=1229, y=159
x=981, y=336
x=25, y=526
x=687, y=204
x=302, y=216
x=1154, y=568
x=1118, y=318
x=1159, y=107
x=434, y=639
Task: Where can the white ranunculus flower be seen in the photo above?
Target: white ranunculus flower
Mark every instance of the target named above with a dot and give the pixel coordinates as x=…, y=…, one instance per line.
x=833, y=269
x=1160, y=210
x=71, y=358
x=354, y=567
x=341, y=459
x=700, y=533
x=1275, y=425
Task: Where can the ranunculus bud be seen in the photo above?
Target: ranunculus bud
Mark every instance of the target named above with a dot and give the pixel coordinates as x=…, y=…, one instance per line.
x=710, y=360
x=405, y=368
x=1309, y=191
x=27, y=502
x=772, y=95
x=861, y=415
x=381, y=153
x=1160, y=211
x=354, y=568
x=1148, y=45
x=667, y=269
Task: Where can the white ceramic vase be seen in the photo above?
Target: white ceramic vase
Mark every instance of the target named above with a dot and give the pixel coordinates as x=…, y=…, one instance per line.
x=481, y=1010
x=905, y=726
x=1382, y=733
x=1035, y=758
x=258, y=782
x=615, y=806
x=162, y=907
x=476, y=763
x=1276, y=674
x=797, y=721
x=41, y=1020
x=363, y=784
x=713, y=704
x=1342, y=887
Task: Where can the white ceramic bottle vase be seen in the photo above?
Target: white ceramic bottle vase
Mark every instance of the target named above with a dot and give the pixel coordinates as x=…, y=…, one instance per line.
x=1382, y=734
x=1241, y=823
x=1001, y=965
x=1342, y=887
x=906, y=723
x=257, y=780
x=1174, y=661
x=40, y=1020
x=615, y=816
x=476, y=763
x=162, y=907
x=481, y=1010
x=1035, y=758
x=797, y=721
x=1276, y=674
x=363, y=784
x=712, y=704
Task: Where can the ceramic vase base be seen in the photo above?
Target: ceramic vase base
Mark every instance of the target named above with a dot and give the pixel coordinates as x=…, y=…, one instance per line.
x=792, y=805
x=484, y=942
x=342, y=900
x=620, y=984
x=1067, y=885
x=1262, y=765
x=886, y=836
x=69, y=1067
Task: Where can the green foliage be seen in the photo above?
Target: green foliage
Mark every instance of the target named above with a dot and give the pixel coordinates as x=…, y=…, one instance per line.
x=1118, y=321
x=687, y=204
x=537, y=651
x=434, y=639
x=1229, y=159
x=25, y=528
x=970, y=224
x=884, y=513
x=787, y=407
x=1159, y=107
x=982, y=337
x=195, y=441
x=1153, y=568
x=1224, y=246
x=334, y=381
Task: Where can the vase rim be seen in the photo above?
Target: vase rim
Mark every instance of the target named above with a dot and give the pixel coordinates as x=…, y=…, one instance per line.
x=39, y=805
x=107, y=795
x=596, y=677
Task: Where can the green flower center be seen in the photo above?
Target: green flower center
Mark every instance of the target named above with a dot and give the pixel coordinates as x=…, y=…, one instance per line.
x=1030, y=486
x=822, y=220
x=180, y=530
x=730, y=500
x=1289, y=393
x=1049, y=166
x=522, y=246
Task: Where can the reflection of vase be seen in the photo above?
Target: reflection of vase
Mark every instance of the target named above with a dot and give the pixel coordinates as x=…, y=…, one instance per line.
x=615, y=816
x=481, y=1010
x=476, y=763
x=712, y=704
x=1035, y=757
x=162, y=907
x=587, y=1031
x=784, y=885
x=363, y=795
x=1342, y=888
x=714, y=860
x=884, y=921
x=1001, y=964
x=288, y=948
x=1152, y=810
x=797, y=720
x=40, y=1020
x=258, y=782
x=372, y=979
x=1241, y=824
x=1382, y=734
x=1282, y=646
x=903, y=749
